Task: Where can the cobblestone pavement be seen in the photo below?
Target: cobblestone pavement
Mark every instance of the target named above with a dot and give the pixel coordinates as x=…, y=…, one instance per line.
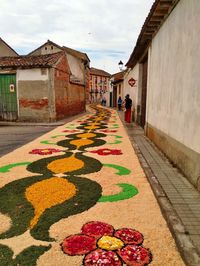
x=178, y=199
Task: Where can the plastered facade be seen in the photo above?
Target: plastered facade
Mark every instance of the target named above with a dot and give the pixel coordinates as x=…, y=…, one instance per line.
x=173, y=98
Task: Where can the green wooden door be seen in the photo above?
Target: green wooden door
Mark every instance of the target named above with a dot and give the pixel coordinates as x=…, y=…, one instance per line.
x=8, y=97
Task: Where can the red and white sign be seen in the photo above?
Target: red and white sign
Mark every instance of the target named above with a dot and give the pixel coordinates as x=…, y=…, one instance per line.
x=131, y=82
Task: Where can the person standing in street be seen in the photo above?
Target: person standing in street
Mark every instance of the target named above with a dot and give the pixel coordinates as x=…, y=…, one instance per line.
x=128, y=105
x=119, y=102
x=103, y=101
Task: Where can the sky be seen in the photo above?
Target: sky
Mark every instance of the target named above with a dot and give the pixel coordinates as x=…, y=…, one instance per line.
x=107, y=30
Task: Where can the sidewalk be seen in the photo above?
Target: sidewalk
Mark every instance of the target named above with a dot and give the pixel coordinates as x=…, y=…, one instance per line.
x=178, y=199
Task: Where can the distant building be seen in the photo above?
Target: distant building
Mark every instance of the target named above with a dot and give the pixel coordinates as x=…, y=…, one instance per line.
x=99, y=85
x=78, y=62
x=6, y=50
x=165, y=63
x=48, y=84
x=117, y=85
x=37, y=88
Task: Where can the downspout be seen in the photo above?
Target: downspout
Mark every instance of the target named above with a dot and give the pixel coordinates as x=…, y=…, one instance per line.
x=85, y=92
x=148, y=88
x=51, y=95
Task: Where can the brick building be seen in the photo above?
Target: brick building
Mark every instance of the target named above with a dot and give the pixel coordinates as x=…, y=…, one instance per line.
x=48, y=84
x=98, y=85
x=38, y=88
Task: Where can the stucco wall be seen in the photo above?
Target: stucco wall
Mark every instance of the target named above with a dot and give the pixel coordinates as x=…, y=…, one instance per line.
x=5, y=50
x=135, y=91
x=33, y=95
x=173, y=89
x=173, y=96
x=47, y=49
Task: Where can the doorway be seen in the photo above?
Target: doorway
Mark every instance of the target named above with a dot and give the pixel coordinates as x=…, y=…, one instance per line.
x=114, y=96
x=8, y=97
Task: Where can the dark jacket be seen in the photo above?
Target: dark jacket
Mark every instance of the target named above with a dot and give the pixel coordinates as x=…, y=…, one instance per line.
x=128, y=103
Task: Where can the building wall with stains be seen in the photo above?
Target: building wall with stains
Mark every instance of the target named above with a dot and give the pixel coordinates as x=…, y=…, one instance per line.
x=76, y=67
x=173, y=98
x=69, y=97
x=34, y=96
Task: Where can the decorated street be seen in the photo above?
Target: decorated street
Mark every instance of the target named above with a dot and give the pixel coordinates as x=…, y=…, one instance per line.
x=79, y=196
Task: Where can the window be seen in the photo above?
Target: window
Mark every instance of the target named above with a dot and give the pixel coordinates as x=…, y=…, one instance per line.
x=51, y=47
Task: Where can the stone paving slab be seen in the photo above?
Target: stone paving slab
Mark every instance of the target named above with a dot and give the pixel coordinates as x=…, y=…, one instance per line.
x=178, y=199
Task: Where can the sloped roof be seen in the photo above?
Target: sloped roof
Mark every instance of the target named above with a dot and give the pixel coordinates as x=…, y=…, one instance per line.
x=76, y=53
x=118, y=77
x=48, y=42
x=159, y=11
x=71, y=51
x=1, y=40
x=99, y=72
x=47, y=60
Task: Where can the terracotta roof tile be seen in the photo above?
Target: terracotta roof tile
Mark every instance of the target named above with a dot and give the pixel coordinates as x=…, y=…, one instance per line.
x=99, y=72
x=47, y=60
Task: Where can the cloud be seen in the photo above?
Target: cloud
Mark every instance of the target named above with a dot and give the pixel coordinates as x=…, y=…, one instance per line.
x=106, y=30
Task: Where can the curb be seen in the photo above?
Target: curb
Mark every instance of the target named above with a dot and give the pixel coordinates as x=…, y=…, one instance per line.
x=50, y=124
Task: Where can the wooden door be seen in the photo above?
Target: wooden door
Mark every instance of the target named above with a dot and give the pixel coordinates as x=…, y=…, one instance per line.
x=8, y=97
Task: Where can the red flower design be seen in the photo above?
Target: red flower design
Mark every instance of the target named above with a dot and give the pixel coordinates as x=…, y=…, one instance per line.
x=102, y=245
x=46, y=151
x=107, y=152
x=109, y=130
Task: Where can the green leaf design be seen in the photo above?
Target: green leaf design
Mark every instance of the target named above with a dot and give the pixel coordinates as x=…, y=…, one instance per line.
x=121, y=170
x=6, y=168
x=128, y=191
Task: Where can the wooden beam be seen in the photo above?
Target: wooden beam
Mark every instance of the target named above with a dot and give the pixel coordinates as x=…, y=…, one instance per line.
x=157, y=18
x=153, y=23
x=160, y=12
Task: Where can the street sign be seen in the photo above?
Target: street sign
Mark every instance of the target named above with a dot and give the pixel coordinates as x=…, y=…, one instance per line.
x=131, y=82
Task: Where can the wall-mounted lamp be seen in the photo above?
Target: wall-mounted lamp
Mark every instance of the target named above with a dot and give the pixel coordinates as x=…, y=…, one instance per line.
x=120, y=64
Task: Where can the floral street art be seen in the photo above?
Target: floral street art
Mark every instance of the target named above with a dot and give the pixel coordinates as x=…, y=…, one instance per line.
x=102, y=245
x=77, y=196
x=58, y=190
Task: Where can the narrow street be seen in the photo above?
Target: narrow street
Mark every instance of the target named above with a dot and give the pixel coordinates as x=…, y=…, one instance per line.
x=13, y=137
x=78, y=195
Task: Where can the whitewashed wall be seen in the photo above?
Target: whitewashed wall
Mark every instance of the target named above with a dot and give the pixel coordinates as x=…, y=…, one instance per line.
x=173, y=99
x=76, y=67
x=135, y=91
x=32, y=74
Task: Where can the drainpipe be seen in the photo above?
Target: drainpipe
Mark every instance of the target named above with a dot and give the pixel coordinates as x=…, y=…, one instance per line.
x=85, y=76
